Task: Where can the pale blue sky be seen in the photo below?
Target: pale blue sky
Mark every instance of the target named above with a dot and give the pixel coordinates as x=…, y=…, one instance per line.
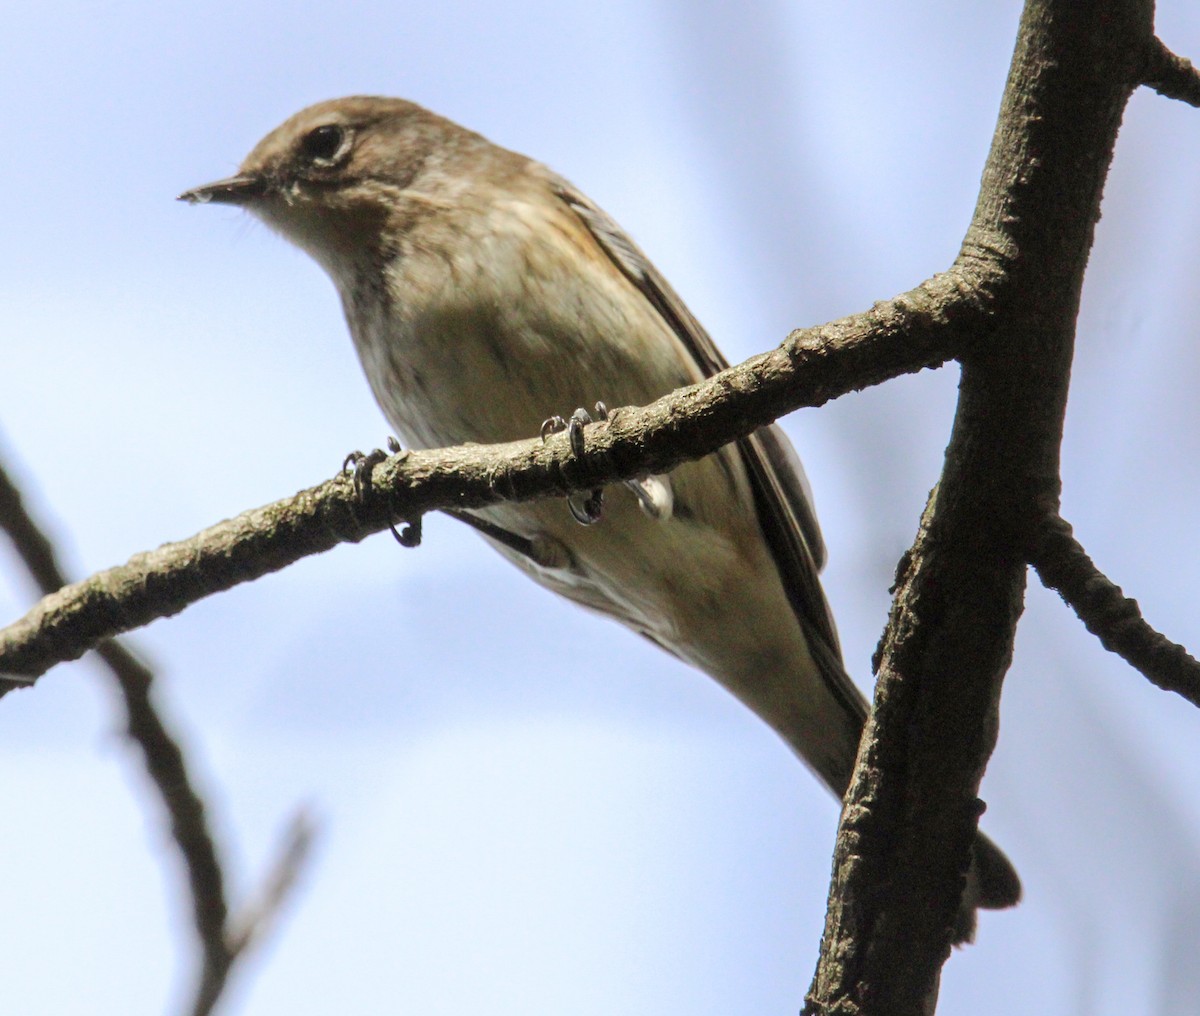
x=506, y=830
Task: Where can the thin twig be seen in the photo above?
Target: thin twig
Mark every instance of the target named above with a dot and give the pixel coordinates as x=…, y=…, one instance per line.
x=160, y=752
x=164, y=763
x=255, y=920
x=1064, y=566
x=256, y=917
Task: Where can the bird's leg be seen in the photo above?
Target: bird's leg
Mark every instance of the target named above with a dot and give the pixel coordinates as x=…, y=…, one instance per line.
x=655, y=496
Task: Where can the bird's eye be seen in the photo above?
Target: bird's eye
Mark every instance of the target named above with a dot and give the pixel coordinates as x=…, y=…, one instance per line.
x=324, y=143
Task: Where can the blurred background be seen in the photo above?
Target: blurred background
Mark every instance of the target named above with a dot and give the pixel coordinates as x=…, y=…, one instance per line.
x=524, y=808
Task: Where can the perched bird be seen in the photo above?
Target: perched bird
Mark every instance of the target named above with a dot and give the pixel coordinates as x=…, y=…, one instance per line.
x=485, y=294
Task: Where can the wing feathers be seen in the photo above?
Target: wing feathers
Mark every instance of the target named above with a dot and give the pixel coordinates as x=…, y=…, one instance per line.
x=781, y=496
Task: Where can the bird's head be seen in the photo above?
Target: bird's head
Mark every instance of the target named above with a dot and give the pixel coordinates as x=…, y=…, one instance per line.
x=335, y=178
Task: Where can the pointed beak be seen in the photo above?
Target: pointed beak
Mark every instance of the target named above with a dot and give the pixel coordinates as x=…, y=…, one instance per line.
x=233, y=190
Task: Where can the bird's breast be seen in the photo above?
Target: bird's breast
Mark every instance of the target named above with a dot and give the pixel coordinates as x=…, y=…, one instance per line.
x=480, y=333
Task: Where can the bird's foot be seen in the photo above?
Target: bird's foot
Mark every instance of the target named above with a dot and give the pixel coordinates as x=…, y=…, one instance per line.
x=586, y=508
x=360, y=467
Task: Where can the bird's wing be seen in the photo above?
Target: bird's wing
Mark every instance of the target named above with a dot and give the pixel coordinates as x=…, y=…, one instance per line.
x=785, y=511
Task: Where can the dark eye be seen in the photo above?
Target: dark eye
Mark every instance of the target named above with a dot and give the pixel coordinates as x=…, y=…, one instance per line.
x=324, y=142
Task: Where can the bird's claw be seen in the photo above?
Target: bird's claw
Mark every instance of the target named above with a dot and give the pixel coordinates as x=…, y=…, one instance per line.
x=361, y=466
x=410, y=535
x=579, y=419
x=552, y=425
x=574, y=427
x=586, y=509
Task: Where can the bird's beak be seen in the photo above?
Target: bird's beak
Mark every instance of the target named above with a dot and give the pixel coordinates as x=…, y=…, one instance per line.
x=233, y=190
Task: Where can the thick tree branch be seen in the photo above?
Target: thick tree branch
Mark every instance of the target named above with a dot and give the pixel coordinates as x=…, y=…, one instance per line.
x=910, y=815
x=1171, y=75
x=939, y=319
x=1064, y=566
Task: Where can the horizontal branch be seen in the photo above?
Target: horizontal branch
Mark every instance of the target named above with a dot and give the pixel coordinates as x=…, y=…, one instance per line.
x=1064, y=566
x=1172, y=76
x=922, y=328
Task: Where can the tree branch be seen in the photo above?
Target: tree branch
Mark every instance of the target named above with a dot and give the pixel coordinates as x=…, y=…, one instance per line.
x=941, y=318
x=164, y=763
x=910, y=815
x=240, y=935
x=1171, y=75
x=160, y=753
x=1064, y=566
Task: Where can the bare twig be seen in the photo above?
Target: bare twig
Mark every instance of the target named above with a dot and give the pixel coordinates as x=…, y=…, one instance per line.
x=252, y=924
x=1171, y=75
x=161, y=754
x=164, y=763
x=255, y=919
x=1064, y=566
x=166, y=766
x=31, y=544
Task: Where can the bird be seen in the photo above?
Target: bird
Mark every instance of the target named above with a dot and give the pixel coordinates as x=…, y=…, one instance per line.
x=485, y=294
